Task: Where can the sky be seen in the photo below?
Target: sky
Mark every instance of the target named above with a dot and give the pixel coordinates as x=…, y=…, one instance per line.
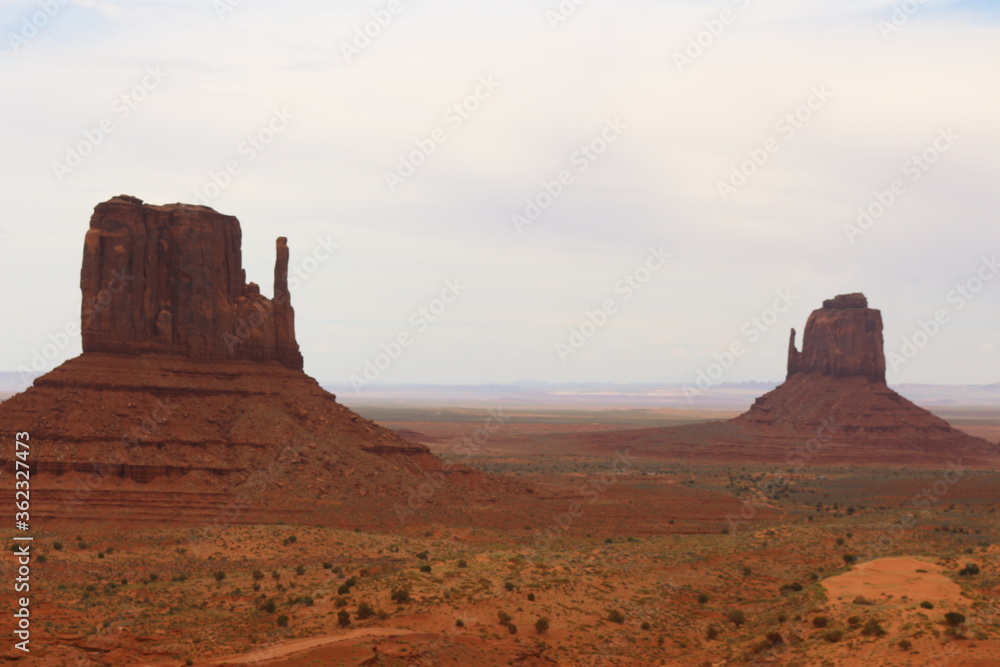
x=576, y=191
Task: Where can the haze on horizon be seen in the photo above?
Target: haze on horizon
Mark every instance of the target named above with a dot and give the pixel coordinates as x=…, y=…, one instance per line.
x=832, y=104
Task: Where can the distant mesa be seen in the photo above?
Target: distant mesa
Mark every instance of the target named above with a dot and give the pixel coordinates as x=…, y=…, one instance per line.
x=834, y=407
x=189, y=403
x=842, y=339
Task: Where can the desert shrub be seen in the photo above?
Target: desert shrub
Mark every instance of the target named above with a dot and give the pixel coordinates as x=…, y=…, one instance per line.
x=423, y=555
x=511, y=628
x=873, y=629
x=861, y=599
x=645, y=625
x=840, y=541
x=702, y=598
x=270, y=607
x=425, y=568
x=712, y=632
x=300, y=570
x=905, y=644
x=833, y=636
x=616, y=616
x=327, y=565
x=747, y=571
x=351, y=581
x=219, y=575
x=509, y=585
x=400, y=595
x=154, y=576
x=969, y=570
x=850, y=559
x=927, y=605
x=737, y=617
x=258, y=575
x=954, y=618
x=503, y=617
x=340, y=602
x=775, y=637
x=282, y=621
x=365, y=610
x=459, y=623
x=344, y=589
x=854, y=621
x=463, y=563
x=57, y=546
x=343, y=618
x=531, y=597
x=793, y=587
x=541, y=625
x=820, y=622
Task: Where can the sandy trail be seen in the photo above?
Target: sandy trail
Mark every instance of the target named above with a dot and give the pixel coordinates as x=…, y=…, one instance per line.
x=298, y=645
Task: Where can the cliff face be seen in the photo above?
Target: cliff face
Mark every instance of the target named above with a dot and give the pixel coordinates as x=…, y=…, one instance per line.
x=842, y=339
x=189, y=403
x=170, y=280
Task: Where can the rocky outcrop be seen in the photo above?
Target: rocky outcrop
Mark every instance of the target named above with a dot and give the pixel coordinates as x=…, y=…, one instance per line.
x=836, y=390
x=841, y=339
x=189, y=403
x=170, y=280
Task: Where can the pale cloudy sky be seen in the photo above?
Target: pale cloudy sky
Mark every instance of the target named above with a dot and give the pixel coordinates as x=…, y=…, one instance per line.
x=678, y=125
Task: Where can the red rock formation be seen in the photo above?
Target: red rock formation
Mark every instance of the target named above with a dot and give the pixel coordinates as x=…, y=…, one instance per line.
x=189, y=403
x=834, y=407
x=842, y=339
x=170, y=280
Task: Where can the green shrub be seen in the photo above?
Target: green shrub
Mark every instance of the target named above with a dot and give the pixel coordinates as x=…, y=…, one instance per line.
x=616, y=616
x=927, y=605
x=542, y=625
x=833, y=636
x=954, y=618
x=365, y=610
x=343, y=618
x=283, y=621
x=737, y=617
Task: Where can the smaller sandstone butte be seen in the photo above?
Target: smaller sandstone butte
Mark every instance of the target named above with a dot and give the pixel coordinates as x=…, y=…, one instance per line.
x=834, y=407
x=170, y=280
x=842, y=339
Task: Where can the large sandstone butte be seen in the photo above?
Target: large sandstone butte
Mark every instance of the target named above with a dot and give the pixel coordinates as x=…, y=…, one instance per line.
x=189, y=403
x=834, y=407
